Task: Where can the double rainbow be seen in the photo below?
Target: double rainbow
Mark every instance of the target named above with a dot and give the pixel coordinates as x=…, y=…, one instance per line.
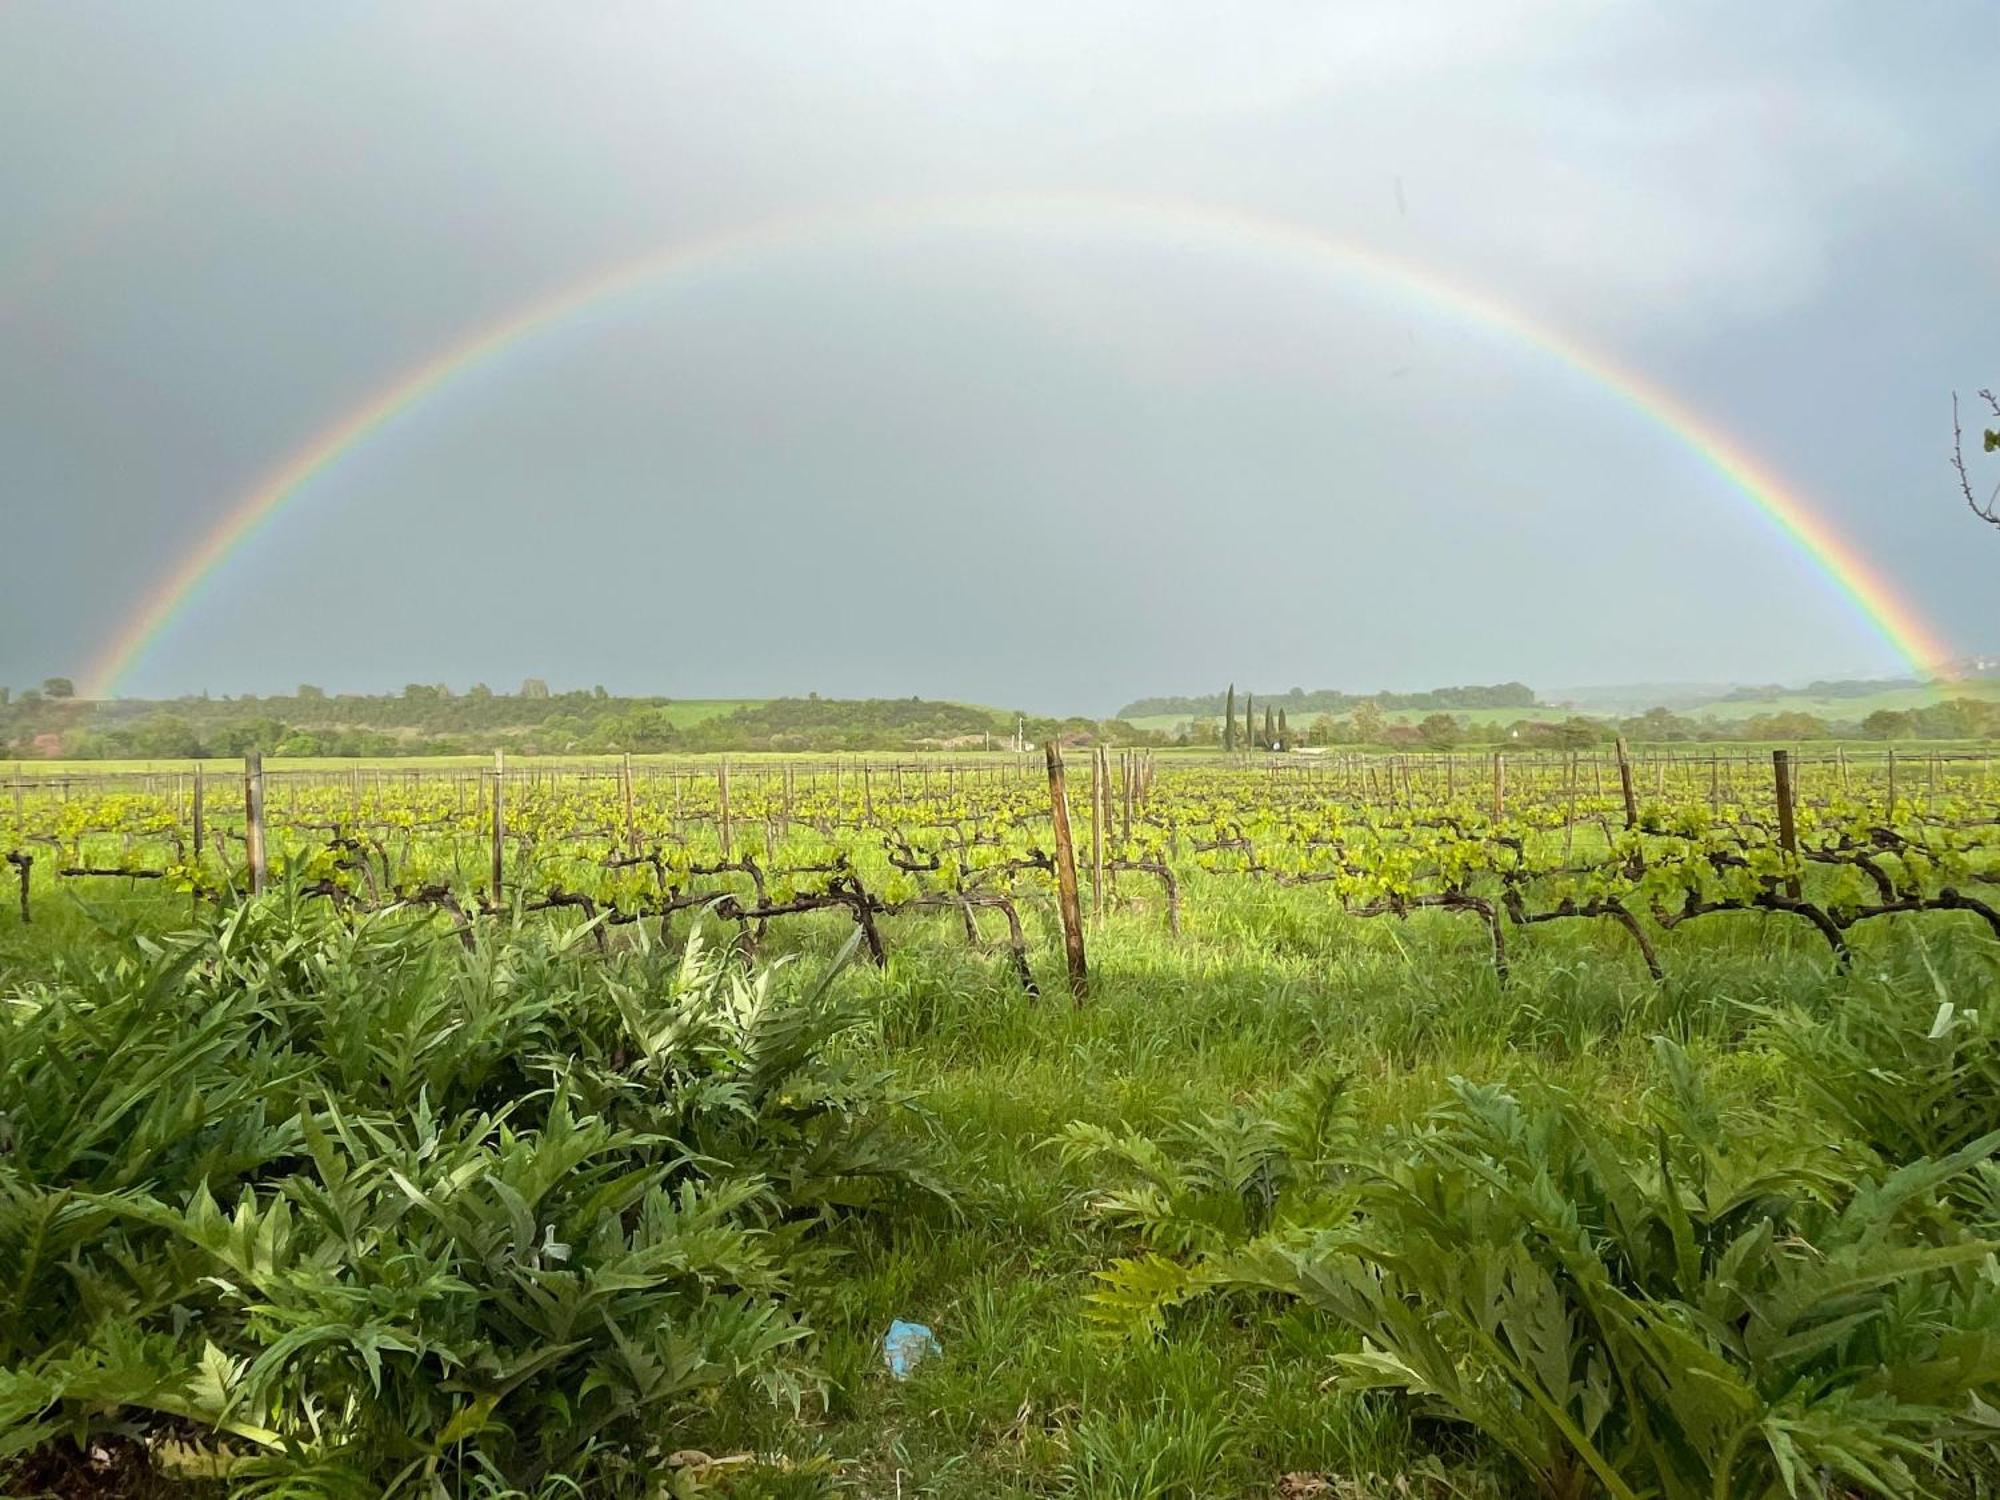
x=1155, y=220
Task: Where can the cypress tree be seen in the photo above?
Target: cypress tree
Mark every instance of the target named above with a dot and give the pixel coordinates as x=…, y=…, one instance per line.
x=1229, y=719
x=1284, y=731
x=1249, y=721
x=1270, y=727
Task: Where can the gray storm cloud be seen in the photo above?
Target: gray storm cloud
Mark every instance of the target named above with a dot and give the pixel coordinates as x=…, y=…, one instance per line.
x=983, y=460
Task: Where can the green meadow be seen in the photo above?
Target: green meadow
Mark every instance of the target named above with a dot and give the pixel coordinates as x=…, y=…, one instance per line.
x=1029, y=1147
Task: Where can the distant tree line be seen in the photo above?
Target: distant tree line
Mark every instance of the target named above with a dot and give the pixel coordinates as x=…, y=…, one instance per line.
x=1298, y=701
x=431, y=719
x=1370, y=726
x=1858, y=688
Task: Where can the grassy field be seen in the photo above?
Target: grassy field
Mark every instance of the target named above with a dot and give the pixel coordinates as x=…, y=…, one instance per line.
x=1845, y=710
x=336, y=765
x=1029, y=1396
x=683, y=712
x=1169, y=723
x=1895, y=700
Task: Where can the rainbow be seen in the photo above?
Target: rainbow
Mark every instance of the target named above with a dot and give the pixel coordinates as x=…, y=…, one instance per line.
x=1159, y=220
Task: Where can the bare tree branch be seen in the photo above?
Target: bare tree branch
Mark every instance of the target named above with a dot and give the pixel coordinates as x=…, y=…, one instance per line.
x=1990, y=511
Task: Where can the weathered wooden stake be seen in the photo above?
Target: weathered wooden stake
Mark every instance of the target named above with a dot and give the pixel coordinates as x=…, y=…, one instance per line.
x=1131, y=769
x=1066, y=900
x=625, y=786
x=1097, y=820
x=200, y=818
x=253, y=818
x=1788, y=833
x=499, y=826
x=722, y=805
x=1499, y=784
x=1625, y=784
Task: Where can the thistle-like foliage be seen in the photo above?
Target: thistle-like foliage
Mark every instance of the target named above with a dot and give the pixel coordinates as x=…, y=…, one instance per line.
x=1661, y=1311
x=1909, y=1073
x=1222, y=1177
x=390, y=1218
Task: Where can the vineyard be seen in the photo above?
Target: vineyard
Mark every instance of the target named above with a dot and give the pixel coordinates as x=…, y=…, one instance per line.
x=1646, y=844
x=1537, y=1124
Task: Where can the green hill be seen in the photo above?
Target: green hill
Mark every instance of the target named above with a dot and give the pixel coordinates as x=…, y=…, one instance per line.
x=1848, y=708
x=428, y=720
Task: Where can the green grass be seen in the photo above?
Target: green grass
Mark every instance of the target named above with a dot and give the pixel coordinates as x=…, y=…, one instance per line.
x=1027, y=1398
x=1169, y=723
x=684, y=712
x=1894, y=699
x=1844, y=710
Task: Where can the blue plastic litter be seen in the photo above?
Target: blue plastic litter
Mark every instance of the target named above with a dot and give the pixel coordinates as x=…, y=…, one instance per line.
x=905, y=1344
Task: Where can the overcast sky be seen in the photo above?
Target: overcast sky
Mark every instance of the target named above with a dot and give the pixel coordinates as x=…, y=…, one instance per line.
x=1036, y=458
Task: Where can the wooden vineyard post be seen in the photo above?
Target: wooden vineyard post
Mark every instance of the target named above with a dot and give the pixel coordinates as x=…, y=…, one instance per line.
x=1625, y=784
x=1715, y=786
x=1569, y=809
x=1066, y=901
x=253, y=818
x=722, y=806
x=1788, y=833
x=1097, y=770
x=499, y=825
x=1131, y=768
x=1499, y=784
x=199, y=814
x=625, y=786
x=1892, y=786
